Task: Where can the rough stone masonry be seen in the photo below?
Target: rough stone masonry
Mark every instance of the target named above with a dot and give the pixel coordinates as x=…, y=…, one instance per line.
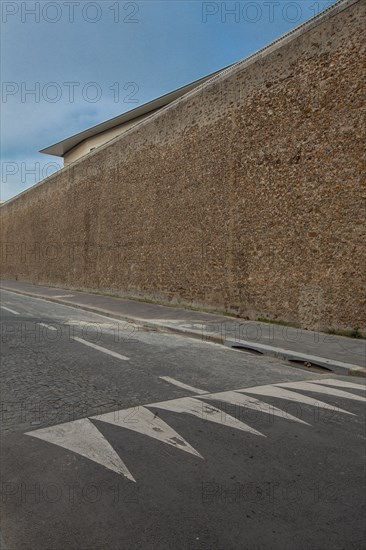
x=246, y=194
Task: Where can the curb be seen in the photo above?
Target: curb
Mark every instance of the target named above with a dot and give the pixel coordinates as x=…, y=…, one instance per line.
x=111, y=314
x=338, y=367
x=103, y=312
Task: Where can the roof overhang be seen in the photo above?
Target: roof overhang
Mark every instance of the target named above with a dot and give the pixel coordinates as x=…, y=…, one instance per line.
x=62, y=147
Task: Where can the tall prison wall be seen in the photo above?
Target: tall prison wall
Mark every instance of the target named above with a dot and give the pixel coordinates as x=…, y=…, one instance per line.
x=245, y=194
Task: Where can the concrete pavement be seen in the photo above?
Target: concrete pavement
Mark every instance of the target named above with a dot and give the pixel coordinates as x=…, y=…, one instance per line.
x=119, y=437
x=339, y=354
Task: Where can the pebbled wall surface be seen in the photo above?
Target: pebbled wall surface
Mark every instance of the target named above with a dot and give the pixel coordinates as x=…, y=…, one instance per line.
x=247, y=194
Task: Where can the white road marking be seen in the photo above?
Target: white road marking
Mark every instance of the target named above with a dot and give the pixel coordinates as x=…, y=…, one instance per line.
x=307, y=386
x=64, y=296
x=236, y=398
x=146, y=422
x=10, y=310
x=47, y=326
x=192, y=406
x=339, y=383
x=82, y=437
x=275, y=391
x=99, y=348
x=181, y=385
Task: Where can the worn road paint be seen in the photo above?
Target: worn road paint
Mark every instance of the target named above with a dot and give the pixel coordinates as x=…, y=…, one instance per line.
x=236, y=398
x=281, y=393
x=182, y=385
x=82, y=437
x=307, y=386
x=140, y=419
x=339, y=383
x=10, y=310
x=195, y=407
x=99, y=348
x=50, y=327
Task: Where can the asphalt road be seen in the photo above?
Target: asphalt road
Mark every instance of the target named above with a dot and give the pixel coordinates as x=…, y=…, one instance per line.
x=116, y=438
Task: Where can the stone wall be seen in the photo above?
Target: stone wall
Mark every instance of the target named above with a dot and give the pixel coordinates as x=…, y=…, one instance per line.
x=245, y=194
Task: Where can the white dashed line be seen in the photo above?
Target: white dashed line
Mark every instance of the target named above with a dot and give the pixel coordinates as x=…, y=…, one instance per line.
x=10, y=310
x=77, y=310
x=181, y=385
x=47, y=326
x=99, y=348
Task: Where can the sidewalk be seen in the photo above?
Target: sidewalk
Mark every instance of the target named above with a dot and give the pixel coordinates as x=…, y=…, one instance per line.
x=340, y=354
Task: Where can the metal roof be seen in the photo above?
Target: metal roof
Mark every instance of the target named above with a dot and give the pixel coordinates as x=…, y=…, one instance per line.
x=62, y=147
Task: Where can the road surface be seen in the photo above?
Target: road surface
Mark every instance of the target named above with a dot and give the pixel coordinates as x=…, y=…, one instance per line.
x=114, y=437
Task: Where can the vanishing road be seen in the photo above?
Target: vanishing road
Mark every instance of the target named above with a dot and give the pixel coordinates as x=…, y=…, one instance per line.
x=114, y=437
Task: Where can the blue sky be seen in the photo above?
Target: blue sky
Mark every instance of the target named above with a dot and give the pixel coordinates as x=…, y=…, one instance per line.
x=88, y=61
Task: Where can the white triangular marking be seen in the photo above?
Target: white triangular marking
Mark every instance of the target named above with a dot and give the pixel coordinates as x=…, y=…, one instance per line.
x=339, y=383
x=273, y=391
x=236, y=398
x=82, y=437
x=307, y=386
x=195, y=407
x=146, y=422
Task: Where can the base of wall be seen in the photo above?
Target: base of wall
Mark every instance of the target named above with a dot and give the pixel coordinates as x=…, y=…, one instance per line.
x=351, y=331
